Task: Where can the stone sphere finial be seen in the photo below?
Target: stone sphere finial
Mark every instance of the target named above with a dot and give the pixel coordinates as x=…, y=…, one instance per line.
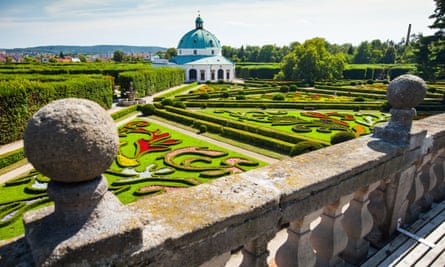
x=406, y=91
x=71, y=140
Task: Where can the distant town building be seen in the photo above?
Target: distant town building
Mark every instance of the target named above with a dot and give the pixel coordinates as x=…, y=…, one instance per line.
x=200, y=55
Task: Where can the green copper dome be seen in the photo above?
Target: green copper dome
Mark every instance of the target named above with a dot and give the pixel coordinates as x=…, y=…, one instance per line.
x=199, y=38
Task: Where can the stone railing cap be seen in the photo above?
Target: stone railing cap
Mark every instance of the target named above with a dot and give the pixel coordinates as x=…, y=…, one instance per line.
x=71, y=140
x=406, y=91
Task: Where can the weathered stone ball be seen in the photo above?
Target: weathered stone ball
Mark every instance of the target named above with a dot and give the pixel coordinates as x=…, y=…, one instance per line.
x=71, y=140
x=406, y=91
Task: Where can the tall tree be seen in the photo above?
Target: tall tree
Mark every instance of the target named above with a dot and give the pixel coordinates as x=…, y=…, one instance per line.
x=390, y=55
x=430, y=50
x=266, y=54
x=312, y=62
x=118, y=56
x=363, y=54
x=171, y=52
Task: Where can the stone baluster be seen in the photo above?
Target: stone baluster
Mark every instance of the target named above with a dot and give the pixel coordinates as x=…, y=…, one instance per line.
x=297, y=250
x=378, y=209
x=73, y=141
x=438, y=191
x=255, y=252
x=358, y=223
x=418, y=189
x=329, y=239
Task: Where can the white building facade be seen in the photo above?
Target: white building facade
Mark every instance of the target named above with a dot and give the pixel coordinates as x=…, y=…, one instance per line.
x=200, y=55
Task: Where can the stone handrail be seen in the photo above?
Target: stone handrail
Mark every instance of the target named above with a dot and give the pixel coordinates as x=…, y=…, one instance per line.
x=333, y=202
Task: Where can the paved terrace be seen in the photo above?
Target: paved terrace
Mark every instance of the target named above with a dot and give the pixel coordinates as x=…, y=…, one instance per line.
x=336, y=204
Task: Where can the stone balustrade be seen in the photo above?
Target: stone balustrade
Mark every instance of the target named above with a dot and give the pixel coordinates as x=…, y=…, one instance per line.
x=334, y=203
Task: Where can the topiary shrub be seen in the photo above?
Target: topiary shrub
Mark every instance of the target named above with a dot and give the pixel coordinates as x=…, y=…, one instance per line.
x=167, y=102
x=147, y=109
x=304, y=147
x=240, y=97
x=278, y=97
x=204, y=96
x=202, y=128
x=341, y=137
x=370, y=81
x=179, y=104
x=359, y=99
x=284, y=89
x=293, y=88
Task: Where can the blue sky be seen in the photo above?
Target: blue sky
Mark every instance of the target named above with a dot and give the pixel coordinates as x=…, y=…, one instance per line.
x=25, y=23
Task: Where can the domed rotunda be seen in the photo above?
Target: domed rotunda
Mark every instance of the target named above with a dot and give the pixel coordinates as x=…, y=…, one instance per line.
x=199, y=54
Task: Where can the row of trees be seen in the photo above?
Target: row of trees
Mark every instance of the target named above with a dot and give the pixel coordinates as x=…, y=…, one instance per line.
x=318, y=60
x=376, y=51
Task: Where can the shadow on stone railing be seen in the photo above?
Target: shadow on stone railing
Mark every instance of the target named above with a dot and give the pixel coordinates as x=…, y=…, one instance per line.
x=334, y=203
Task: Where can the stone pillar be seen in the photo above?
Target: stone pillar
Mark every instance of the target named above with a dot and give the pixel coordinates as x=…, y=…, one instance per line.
x=379, y=211
x=73, y=141
x=297, y=250
x=255, y=252
x=358, y=223
x=397, y=200
x=438, y=191
x=403, y=93
x=329, y=239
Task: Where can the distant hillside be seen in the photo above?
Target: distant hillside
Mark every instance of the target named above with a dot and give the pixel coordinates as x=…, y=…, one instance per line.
x=87, y=50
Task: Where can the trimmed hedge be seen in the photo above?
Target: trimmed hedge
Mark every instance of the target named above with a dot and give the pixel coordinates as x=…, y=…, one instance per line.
x=395, y=72
x=11, y=157
x=284, y=105
x=149, y=81
x=147, y=109
x=304, y=147
x=124, y=112
x=19, y=99
x=341, y=137
x=229, y=132
x=259, y=140
x=260, y=72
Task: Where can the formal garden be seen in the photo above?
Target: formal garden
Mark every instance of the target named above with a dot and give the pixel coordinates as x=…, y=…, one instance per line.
x=275, y=118
x=152, y=159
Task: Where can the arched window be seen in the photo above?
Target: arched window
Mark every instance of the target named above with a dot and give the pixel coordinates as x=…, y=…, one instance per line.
x=203, y=75
x=228, y=75
x=195, y=52
x=220, y=74
x=193, y=75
